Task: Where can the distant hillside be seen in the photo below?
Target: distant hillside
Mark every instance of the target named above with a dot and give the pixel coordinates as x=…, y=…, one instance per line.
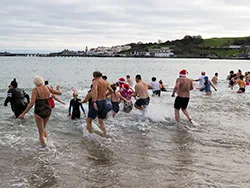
x=196, y=46
x=220, y=42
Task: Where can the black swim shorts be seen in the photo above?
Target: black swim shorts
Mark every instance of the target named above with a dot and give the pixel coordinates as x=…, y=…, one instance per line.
x=142, y=102
x=181, y=102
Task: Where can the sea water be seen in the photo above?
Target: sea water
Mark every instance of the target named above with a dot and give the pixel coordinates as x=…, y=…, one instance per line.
x=145, y=149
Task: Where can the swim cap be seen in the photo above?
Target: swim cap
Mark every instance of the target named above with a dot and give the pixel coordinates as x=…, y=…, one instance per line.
x=121, y=80
x=183, y=72
x=205, y=78
x=14, y=83
x=75, y=92
x=125, y=87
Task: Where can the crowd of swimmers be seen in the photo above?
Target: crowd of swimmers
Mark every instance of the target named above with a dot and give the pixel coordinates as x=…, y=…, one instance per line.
x=104, y=97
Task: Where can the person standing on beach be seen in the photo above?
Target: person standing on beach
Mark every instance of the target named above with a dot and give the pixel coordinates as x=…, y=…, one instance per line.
x=16, y=97
x=141, y=91
x=182, y=88
x=99, y=90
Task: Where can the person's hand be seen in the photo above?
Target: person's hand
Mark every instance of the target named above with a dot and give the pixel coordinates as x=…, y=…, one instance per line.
x=57, y=87
x=95, y=106
x=215, y=89
x=84, y=114
x=69, y=114
x=21, y=116
x=172, y=95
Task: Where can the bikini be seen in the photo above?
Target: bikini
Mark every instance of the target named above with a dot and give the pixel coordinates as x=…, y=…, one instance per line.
x=42, y=107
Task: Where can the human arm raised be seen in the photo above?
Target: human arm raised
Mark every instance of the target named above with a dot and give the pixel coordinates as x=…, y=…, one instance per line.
x=56, y=91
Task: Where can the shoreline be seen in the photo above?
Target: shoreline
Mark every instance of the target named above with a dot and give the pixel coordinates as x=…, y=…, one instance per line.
x=180, y=57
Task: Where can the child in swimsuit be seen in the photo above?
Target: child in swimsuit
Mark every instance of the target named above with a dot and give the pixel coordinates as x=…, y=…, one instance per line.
x=116, y=97
x=76, y=104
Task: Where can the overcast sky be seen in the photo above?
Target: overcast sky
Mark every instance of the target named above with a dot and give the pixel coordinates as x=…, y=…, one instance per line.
x=54, y=25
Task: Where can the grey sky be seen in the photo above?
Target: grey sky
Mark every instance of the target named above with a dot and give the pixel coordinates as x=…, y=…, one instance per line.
x=53, y=25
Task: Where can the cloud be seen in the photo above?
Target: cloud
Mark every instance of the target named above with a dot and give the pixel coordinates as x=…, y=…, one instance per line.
x=74, y=24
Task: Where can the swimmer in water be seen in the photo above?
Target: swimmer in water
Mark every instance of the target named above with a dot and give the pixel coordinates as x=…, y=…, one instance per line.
x=182, y=88
x=116, y=97
x=215, y=79
x=207, y=86
x=76, y=105
x=242, y=85
x=141, y=91
x=155, y=87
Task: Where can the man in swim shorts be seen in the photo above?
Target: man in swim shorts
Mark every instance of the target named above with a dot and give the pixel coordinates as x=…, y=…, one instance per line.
x=141, y=91
x=99, y=89
x=182, y=88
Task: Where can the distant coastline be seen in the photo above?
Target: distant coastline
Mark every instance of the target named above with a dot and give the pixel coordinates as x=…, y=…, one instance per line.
x=103, y=56
x=188, y=47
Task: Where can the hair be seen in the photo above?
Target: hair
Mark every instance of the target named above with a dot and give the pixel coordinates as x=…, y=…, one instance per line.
x=38, y=80
x=128, y=76
x=14, y=83
x=231, y=72
x=97, y=74
x=46, y=82
x=113, y=86
x=153, y=79
x=160, y=82
x=138, y=77
x=241, y=77
x=104, y=77
x=216, y=74
x=75, y=94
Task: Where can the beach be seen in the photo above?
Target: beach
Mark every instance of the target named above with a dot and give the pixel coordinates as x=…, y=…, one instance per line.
x=145, y=150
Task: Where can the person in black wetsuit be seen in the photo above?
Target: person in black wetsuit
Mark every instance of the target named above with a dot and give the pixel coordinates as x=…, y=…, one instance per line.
x=17, y=97
x=76, y=104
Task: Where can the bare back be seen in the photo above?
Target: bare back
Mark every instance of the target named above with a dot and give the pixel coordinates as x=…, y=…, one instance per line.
x=184, y=87
x=101, y=86
x=42, y=92
x=141, y=89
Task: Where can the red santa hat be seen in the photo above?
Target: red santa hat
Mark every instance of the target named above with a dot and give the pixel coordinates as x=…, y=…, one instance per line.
x=125, y=87
x=183, y=72
x=121, y=80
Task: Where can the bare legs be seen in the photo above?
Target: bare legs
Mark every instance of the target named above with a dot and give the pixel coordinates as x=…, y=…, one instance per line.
x=101, y=122
x=139, y=107
x=41, y=125
x=89, y=125
x=185, y=112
